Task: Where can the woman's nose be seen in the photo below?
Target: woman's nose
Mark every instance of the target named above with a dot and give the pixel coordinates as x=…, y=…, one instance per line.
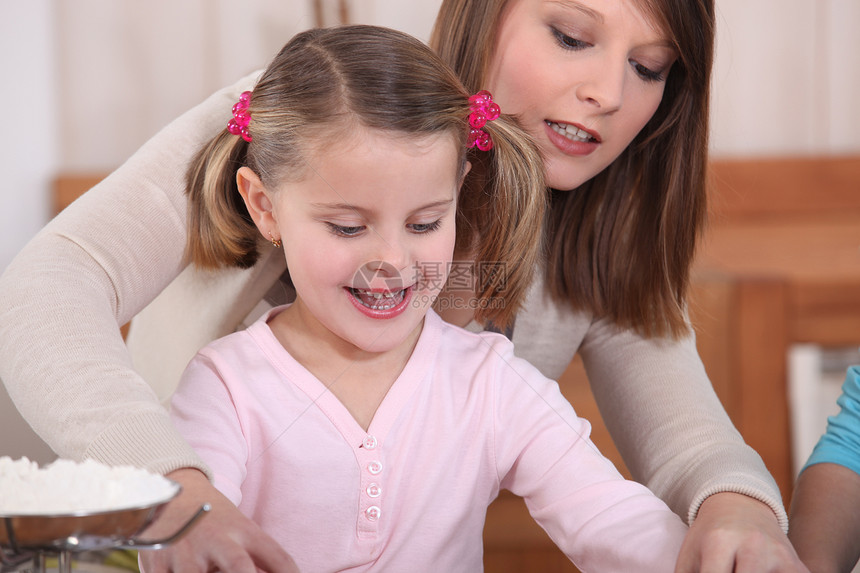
x=603, y=83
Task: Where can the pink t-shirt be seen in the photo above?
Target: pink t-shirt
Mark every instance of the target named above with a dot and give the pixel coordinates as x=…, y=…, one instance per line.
x=464, y=419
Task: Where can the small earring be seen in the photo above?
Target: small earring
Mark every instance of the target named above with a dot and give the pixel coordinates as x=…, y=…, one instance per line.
x=275, y=242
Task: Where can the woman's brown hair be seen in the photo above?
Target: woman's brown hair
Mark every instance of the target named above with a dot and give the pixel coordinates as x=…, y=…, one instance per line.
x=622, y=244
x=327, y=80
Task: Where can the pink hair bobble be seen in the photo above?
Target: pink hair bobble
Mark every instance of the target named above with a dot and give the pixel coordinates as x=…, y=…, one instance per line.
x=241, y=118
x=483, y=110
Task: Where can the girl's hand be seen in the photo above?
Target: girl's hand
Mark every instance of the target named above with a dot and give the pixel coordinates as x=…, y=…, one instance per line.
x=734, y=533
x=221, y=540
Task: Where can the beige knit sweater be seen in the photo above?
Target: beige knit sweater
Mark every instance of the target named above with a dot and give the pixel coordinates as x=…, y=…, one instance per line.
x=117, y=253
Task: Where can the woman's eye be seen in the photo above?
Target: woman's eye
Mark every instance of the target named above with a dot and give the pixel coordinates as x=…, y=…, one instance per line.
x=647, y=74
x=424, y=227
x=567, y=42
x=344, y=231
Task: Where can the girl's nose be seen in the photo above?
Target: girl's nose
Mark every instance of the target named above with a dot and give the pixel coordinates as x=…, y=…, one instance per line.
x=386, y=267
x=391, y=255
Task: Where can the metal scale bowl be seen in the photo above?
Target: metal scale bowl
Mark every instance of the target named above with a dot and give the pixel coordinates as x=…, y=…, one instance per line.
x=30, y=539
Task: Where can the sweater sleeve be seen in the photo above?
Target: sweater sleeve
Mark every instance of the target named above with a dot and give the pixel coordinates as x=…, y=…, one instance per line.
x=668, y=423
x=90, y=270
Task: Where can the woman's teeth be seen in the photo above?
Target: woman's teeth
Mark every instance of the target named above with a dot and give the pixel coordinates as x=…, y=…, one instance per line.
x=378, y=300
x=571, y=132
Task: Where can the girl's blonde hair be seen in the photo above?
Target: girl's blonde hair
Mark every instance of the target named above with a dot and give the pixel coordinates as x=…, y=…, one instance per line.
x=622, y=244
x=334, y=78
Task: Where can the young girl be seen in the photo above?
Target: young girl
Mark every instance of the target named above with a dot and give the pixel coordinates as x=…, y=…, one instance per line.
x=354, y=425
x=616, y=94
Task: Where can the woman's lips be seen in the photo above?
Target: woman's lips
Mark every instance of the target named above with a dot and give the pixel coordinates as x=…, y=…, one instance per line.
x=571, y=139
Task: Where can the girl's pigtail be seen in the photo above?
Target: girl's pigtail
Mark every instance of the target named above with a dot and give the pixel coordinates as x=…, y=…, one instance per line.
x=220, y=231
x=507, y=190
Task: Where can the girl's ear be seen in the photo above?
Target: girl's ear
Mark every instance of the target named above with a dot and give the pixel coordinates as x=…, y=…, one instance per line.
x=258, y=202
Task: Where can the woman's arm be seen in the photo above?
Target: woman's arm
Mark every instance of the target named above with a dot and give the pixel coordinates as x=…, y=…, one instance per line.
x=667, y=422
x=675, y=437
x=656, y=401
x=87, y=272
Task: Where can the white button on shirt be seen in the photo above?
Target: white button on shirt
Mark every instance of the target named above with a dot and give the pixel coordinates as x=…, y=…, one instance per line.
x=370, y=442
x=372, y=513
x=374, y=467
x=373, y=490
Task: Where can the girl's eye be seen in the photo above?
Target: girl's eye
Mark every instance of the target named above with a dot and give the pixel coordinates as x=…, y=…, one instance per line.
x=647, y=74
x=567, y=42
x=425, y=227
x=343, y=231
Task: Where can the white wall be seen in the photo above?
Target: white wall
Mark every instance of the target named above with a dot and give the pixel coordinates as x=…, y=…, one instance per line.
x=28, y=158
x=786, y=77
x=127, y=73
x=28, y=130
x=156, y=67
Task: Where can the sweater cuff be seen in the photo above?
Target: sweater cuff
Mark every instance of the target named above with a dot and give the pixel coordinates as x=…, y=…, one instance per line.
x=775, y=504
x=147, y=441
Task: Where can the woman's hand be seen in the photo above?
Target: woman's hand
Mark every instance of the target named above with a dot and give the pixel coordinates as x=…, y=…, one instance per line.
x=222, y=540
x=734, y=533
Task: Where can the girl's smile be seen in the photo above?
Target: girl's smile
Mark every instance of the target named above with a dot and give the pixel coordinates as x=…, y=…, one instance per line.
x=380, y=304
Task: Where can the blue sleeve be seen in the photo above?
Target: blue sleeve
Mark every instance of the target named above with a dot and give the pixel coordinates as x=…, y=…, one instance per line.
x=841, y=443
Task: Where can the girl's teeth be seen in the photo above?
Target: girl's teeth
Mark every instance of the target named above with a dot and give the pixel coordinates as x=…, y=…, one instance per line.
x=570, y=131
x=378, y=300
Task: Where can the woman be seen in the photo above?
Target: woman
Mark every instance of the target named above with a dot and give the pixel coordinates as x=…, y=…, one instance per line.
x=616, y=94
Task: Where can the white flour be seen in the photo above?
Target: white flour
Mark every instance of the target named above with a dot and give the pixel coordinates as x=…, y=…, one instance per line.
x=65, y=487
